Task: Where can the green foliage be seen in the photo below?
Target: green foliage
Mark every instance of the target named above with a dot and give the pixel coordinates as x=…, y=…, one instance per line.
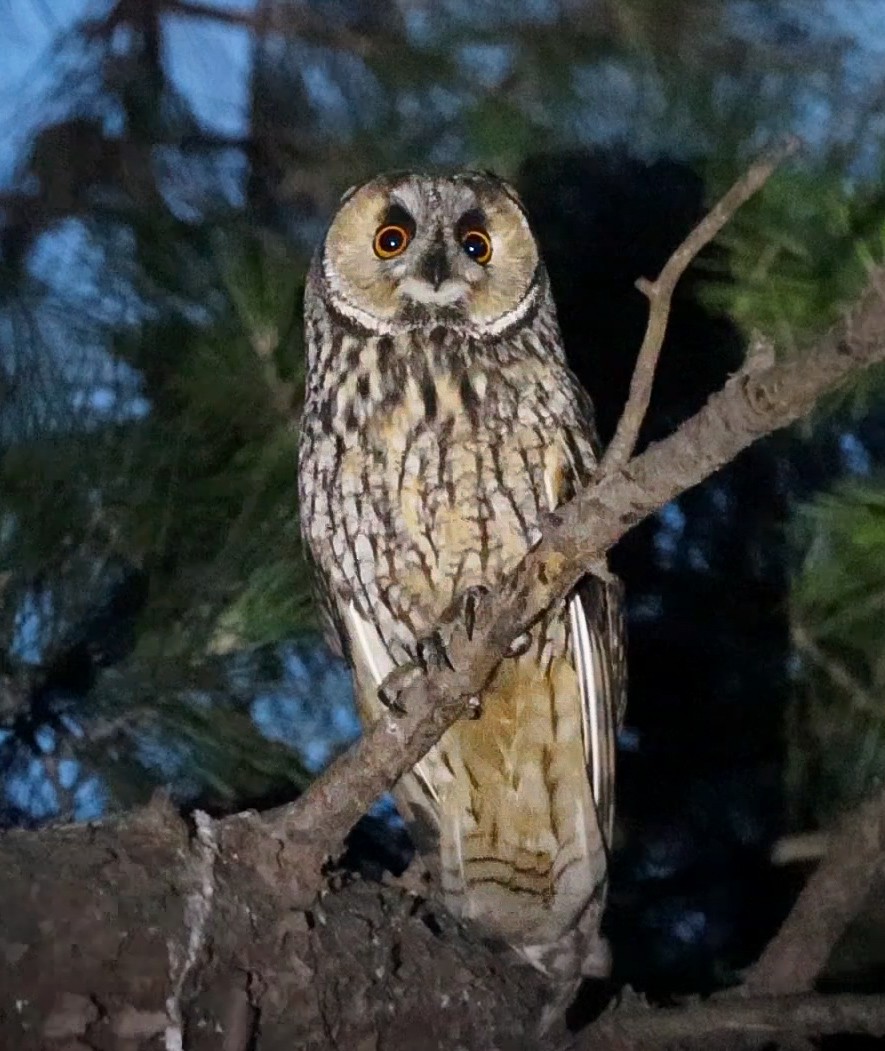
x=843, y=580
x=797, y=253
x=196, y=738
x=838, y=742
x=197, y=492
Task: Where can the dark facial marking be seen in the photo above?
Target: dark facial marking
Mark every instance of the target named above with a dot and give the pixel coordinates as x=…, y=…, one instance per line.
x=475, y=219
x=396, y=215
x=434, y=266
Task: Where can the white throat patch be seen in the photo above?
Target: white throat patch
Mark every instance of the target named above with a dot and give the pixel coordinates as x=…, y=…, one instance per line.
x=421, y=292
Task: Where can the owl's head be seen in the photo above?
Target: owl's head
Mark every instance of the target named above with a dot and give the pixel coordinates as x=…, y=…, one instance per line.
x=412, y=249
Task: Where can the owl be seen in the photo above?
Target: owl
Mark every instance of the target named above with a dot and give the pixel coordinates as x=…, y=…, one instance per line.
x=441, y=423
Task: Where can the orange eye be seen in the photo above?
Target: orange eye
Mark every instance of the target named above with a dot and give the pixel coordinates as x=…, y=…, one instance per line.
x=478, y=245
x=390, y=240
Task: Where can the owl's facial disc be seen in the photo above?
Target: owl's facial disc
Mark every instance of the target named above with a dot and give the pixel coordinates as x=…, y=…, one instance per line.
x=441, y=277
x=420, y=249
x=433, y=283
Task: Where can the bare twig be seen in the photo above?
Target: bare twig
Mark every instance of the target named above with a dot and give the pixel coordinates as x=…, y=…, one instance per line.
x=798, y=848
x=762, y=1018
x=833, y=896
x=660, y=294
x=753, y=403
x=837, y=672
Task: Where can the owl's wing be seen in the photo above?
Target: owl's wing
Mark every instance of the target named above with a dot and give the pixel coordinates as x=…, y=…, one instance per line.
x=372, y=663
x=350, y=635
x=331, y=624
x=597, y=622
x=596, y=615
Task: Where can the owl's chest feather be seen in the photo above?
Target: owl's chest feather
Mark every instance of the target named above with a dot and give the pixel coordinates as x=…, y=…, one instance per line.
x=413, y=494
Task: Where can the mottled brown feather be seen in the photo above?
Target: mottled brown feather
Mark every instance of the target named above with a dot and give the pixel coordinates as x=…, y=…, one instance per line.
x=435, y=437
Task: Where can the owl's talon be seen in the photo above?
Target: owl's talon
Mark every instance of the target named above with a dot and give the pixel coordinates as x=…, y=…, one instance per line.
x=431, y=653
x=520, y=645
x=390, y=699
x=398, y=680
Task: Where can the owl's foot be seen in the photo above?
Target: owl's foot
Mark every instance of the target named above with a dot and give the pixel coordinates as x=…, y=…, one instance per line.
x=433, y=655
x=430, y=656
x=397, y=681
x=465, y=607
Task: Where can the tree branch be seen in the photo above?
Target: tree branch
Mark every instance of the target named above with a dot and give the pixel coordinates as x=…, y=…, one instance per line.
x=833, y=896
x=762, y=1017
x=660, y=294
x=756, y=401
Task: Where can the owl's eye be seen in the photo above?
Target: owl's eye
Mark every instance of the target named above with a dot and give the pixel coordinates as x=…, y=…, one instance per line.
x=478, y=245
x=390, y=240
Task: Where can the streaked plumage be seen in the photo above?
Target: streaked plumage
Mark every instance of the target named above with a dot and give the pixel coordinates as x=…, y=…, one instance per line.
x=440, y=423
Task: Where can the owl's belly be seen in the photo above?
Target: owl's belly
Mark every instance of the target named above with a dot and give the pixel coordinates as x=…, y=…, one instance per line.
x=436, y=510
x=424, y=512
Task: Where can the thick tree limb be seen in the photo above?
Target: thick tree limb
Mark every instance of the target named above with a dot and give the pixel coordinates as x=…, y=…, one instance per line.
x=128, y=935
x=136, y=934
x=833, y=896
x=756, y=401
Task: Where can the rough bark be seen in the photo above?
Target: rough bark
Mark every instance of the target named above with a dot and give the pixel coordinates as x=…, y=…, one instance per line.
x=147, y=933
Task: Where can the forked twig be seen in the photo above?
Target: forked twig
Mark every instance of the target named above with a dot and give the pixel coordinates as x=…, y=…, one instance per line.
x=660, y=294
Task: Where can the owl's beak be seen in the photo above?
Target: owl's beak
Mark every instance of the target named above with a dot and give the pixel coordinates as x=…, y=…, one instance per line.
x=434, y=268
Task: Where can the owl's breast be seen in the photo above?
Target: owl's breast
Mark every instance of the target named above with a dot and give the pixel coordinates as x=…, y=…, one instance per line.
x=424, y=472
x=433, y=505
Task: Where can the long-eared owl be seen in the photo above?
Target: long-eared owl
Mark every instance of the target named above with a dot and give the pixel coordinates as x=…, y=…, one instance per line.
x=441, y=423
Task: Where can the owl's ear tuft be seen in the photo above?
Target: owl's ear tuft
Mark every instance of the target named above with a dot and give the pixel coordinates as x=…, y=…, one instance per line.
x=349, y=192
x=504, y=186
x=512, y=193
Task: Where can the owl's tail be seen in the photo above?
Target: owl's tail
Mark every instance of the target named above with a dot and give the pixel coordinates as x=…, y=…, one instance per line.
x=523, y=853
